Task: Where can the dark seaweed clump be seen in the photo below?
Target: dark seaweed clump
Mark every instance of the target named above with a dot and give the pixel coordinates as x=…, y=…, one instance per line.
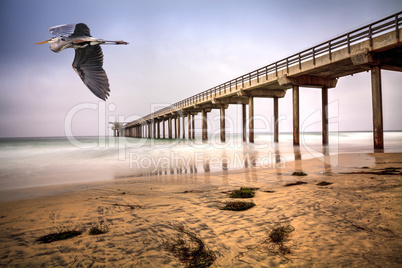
x=295, y=183
x=299, y=173
x=190, y=249
x=238, y=206
x=58, y=236
x=98, y=230
x=243, y=192
x=278, y=235
x=324, y=183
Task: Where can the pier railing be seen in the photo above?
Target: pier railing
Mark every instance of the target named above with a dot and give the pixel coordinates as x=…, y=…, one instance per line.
x=387, y=24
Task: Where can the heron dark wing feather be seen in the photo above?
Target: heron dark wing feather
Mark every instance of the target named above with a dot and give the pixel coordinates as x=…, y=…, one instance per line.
x=88, y=64
x=81, y=29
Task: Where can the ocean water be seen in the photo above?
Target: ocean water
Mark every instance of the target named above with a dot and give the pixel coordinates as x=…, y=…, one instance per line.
x=34, y=162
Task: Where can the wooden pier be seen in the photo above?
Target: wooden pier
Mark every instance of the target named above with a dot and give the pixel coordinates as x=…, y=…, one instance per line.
x=371, y=48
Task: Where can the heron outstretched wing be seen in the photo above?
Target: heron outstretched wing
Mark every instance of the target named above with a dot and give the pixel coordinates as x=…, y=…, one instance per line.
x=72, y=29
x=88, y=64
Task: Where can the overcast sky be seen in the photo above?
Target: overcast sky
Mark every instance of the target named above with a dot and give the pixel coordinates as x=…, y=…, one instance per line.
x=177, y=49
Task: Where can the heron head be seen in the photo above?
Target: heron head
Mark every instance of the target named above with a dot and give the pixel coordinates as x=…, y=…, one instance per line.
x=57, y=44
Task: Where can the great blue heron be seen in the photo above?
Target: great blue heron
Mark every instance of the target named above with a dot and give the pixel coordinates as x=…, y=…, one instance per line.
x=88, y=60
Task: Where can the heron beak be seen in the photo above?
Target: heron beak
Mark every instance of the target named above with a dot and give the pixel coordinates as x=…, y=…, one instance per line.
x=45, y=42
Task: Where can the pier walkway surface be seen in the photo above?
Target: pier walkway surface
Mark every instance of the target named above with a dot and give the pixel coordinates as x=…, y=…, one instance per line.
x=370, y=48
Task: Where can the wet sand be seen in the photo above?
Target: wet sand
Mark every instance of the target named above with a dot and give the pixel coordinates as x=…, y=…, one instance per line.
x=355, y=221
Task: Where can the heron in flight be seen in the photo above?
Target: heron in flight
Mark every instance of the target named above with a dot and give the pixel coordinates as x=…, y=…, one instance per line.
x=88, y=60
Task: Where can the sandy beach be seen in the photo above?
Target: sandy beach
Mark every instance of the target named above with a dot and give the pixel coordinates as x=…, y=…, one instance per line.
x=355, y=221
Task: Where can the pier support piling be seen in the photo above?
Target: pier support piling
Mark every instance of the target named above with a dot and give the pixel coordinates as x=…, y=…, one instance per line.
x=251, y=120
x=184, y=128
x=178, y=126
x=296, y=128
x=223, y=134
x=244, y=120
x=204, y=125
x=175, y=128
x=163, y=129
x=189, y=126
x=193, y=127
x=170, y=128
x=276, y=120
x=378, y=128
x=324, y=97
x=154, y=128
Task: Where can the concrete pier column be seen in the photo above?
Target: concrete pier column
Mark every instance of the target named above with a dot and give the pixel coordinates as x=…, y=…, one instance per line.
x=149, y=130
x=175, y=128
x=193, y=127
x=276, y=120
x=189, y=126
x=178, y=126
x=223, y=134
x=378, y=127
x=159, y=129
x=184, y=129
x=163, y=129
x=170, y=127
x=251, y=119
x=244, y=120
x=204, y=125
x=324, y=97
x=296, y=128
x=154, y=128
